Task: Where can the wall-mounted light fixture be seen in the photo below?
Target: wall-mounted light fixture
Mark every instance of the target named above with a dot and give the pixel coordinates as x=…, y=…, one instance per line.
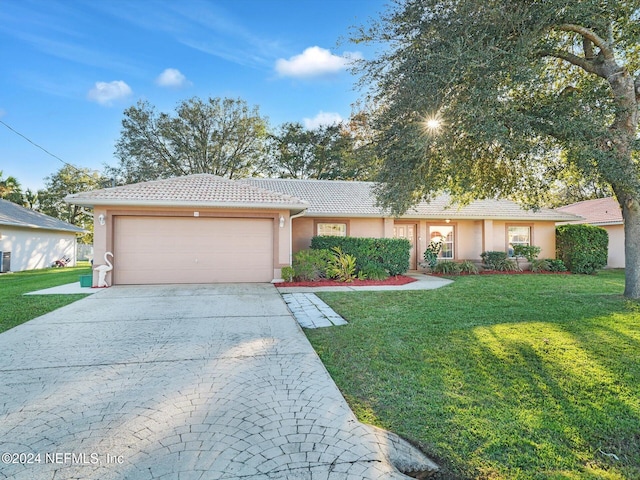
x=101, y=219
x=447, y=221
x=281, y=221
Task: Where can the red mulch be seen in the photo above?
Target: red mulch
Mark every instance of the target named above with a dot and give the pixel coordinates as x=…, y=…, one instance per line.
x=397, y=280
x=498, y=272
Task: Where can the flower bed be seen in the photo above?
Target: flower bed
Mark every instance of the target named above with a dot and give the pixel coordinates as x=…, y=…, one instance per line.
x=396, y=280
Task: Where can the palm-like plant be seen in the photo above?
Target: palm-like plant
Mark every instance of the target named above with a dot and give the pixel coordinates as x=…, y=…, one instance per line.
x=10, y=189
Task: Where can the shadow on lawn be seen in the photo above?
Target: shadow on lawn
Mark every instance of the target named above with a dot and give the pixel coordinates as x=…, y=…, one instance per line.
x=571, y=407
x=499, y=382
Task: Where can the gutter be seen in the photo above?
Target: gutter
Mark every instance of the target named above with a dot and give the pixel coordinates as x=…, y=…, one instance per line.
x=298, y=207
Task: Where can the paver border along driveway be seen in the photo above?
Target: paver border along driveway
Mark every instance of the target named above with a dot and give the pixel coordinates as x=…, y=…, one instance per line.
x=179, y=382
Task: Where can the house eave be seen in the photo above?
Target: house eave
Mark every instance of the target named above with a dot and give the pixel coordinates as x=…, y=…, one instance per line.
x=295, y=208
x=442, y=216
x=40, y=227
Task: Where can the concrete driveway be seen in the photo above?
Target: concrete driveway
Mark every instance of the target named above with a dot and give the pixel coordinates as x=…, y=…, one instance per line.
x=180, y=382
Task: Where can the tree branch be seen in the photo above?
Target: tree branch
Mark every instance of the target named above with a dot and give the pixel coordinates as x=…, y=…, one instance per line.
x=583, y=63
x=587, y=47
x=598, y=41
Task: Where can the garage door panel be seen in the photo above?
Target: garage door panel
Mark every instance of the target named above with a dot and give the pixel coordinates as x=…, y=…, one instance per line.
x=192, y=250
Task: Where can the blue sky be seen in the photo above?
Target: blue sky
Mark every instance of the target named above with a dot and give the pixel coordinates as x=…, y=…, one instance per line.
x=71, y=67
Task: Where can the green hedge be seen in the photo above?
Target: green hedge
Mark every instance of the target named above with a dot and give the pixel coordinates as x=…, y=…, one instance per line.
x=582, y=248
x=392, y=254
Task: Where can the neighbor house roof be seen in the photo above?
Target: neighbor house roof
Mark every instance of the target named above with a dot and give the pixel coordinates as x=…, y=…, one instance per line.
x=17, y=216
x=200, y=190
x=601, y=211
x=329, y=198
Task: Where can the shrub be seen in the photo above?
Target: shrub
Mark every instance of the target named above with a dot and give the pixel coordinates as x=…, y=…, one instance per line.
x=432, y=252
x=530, y=252
x=311, y=265
x=287, y=273
x=582, y=248
x=468, y=267
x=498, y=261
x=392, y=254
x=556, y=265
x=447, y=267
x=342, y=266
x=491, y=260
x=539, y=265
x=373, y=271
x=508, y=265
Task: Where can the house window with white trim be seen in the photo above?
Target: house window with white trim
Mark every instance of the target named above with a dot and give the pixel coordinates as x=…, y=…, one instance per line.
x=444, y=233
x=332, y=229
x=518, y=235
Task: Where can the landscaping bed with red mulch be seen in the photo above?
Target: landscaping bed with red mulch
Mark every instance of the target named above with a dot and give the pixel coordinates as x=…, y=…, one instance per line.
x=499, y=272
x=397, y=280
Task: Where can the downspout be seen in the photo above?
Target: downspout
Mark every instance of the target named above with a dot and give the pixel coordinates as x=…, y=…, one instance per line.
x=297, y=215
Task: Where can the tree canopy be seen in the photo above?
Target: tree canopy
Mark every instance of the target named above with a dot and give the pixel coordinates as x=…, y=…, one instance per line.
x=499, y=98
x=219, y=136
x=327, y=152
x=10, y=189
x=66, y=181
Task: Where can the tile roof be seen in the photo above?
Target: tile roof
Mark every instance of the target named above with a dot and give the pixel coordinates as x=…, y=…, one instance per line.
x=328, y=198
x=16, y=216
x=193, y=190
x=352, y=199
x=601, y=211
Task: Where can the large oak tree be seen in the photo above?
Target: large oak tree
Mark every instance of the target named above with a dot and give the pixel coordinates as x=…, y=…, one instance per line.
x=221, y=136
x=498, y=97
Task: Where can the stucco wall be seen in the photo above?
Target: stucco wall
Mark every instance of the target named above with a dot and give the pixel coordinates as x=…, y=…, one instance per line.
x=304, y=229
x=616, y=245
x=472, y=237
x=36, y=248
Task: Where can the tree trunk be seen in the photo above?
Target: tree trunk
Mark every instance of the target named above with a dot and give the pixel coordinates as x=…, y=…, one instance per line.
x=631, y=215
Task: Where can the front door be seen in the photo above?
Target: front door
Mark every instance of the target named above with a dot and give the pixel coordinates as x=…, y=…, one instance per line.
x=408, y=231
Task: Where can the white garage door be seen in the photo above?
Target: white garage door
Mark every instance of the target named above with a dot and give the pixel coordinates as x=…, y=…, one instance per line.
x=150, y=250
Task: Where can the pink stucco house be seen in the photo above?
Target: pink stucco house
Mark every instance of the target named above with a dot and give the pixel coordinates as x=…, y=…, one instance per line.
x=206, y=229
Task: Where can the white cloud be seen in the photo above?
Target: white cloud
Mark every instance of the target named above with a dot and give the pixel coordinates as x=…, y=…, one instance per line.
x=322, y=118
x=314, y=61
x=172, y=77
x=105, y=93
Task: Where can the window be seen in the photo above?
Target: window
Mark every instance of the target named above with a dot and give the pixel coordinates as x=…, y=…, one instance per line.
x=332, y=229
x=443, y=233
x=518, y=235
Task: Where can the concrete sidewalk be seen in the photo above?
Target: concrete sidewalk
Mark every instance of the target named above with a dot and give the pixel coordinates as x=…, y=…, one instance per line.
x=180, y=382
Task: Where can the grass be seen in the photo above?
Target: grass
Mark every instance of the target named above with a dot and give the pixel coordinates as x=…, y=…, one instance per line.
x=498, y=377
x=17, y=308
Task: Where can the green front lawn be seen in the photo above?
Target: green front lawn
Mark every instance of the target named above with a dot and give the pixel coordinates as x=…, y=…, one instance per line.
x=498, y=377
x=16, y=308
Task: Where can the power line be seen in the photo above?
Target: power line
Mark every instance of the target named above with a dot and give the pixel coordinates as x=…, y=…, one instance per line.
x=38, y=146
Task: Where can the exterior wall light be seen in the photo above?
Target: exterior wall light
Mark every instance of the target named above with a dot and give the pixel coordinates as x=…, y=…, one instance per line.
x=281, y=221
x=101, y=219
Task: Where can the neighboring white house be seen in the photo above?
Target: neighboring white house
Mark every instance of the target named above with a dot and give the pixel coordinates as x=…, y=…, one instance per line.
x=605, y=213
x=31, y=240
